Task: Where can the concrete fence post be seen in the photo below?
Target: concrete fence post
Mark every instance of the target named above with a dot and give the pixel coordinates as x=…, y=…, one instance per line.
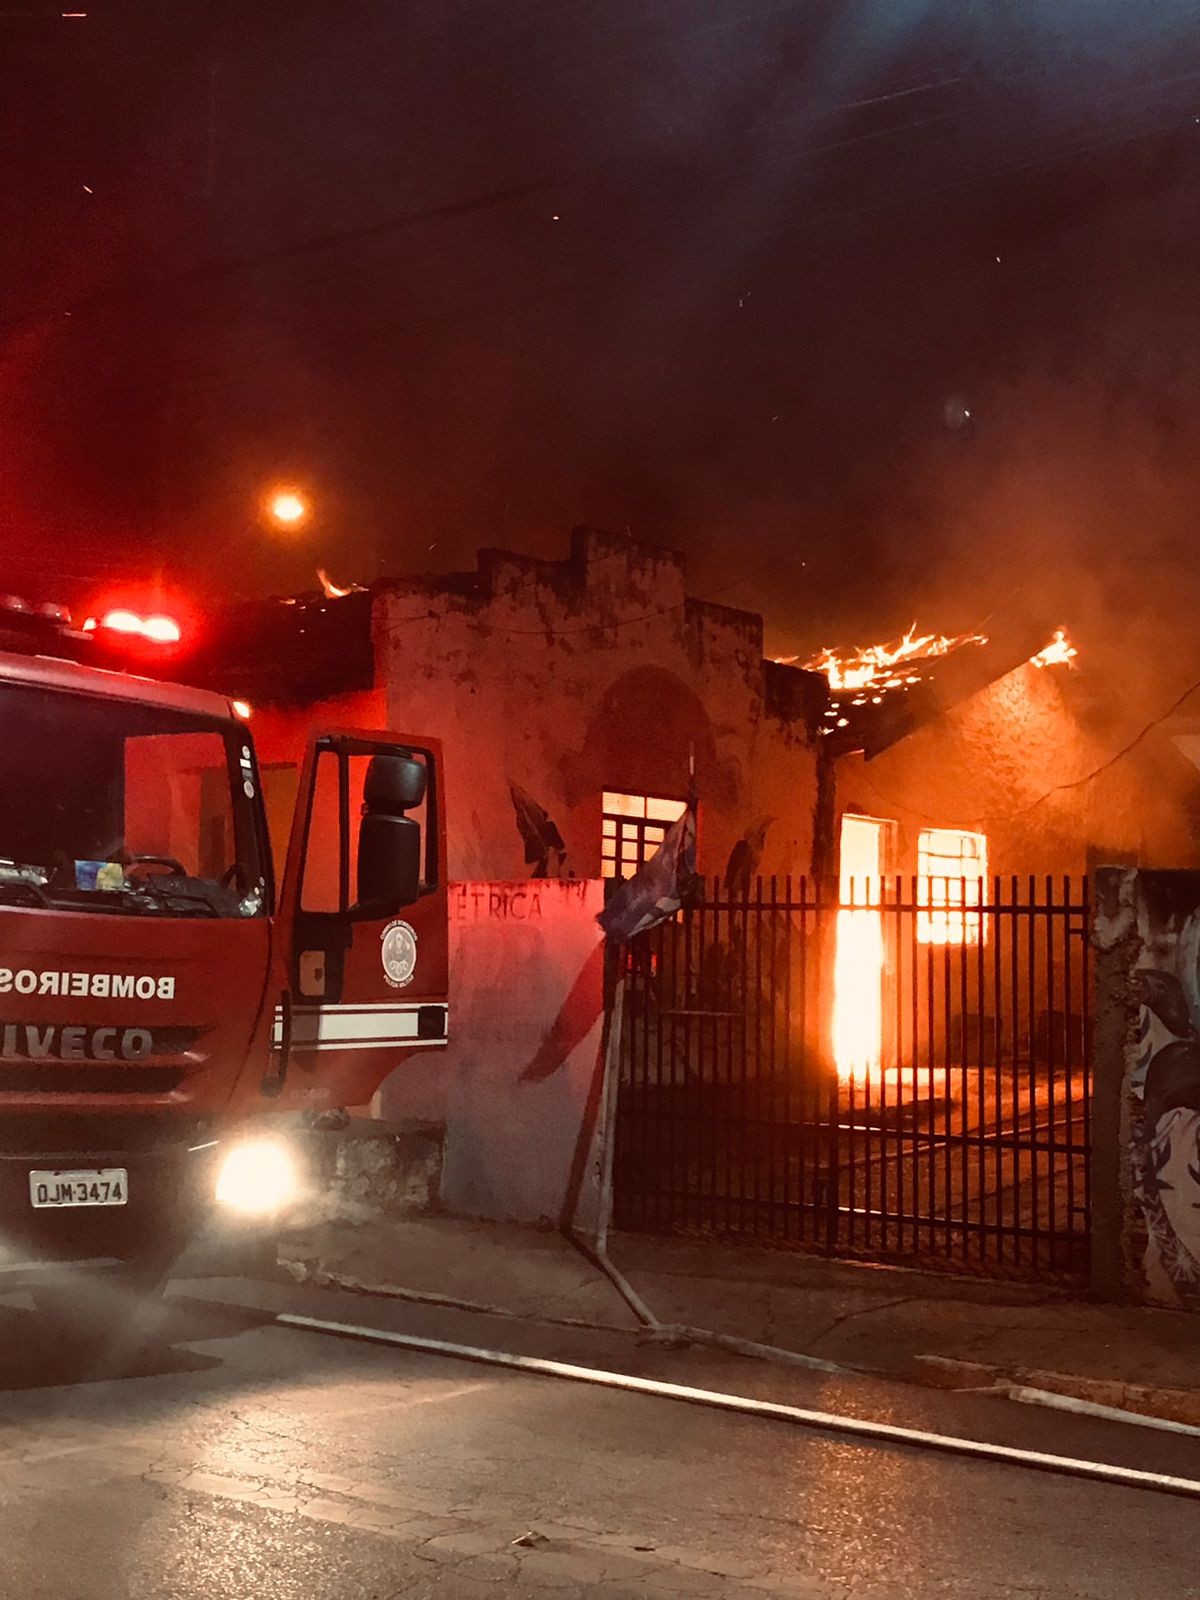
x=1146, y=1087
x=1114, y=1022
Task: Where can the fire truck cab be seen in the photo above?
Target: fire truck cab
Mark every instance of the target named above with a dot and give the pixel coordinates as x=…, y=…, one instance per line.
x=160, y=995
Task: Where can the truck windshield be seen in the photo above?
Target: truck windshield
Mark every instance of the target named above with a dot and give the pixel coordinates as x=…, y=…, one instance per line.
x=137, y=810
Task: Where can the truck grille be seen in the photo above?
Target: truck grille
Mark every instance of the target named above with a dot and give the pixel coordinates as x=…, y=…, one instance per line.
x=27, y=1132
x=47, y=1079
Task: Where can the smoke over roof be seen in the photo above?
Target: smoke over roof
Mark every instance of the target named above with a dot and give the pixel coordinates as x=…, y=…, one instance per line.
x=879, y=311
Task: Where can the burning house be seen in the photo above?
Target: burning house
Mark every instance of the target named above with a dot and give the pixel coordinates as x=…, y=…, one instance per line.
x=892, y=947
x=572, y=695
x=1010, y=744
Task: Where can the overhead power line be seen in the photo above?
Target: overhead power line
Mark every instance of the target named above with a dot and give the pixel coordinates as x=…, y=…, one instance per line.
x=1059, y=788
x=313, y=244
x=1028, y=151
x=1119, y=755
x=269, y=345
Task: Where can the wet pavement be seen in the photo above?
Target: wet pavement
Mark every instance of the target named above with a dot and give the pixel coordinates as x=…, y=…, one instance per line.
x=241, y=1458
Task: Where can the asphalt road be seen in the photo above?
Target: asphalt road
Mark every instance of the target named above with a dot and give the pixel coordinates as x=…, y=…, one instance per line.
x=246, y=1459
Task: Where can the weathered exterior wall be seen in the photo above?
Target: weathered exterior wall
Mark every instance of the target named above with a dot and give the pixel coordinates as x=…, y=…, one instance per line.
x=512, y=1086
x=569, y=678
x=1146, y=1122
x=998, y=764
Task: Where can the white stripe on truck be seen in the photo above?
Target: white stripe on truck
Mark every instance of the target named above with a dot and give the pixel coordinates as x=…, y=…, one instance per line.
x=356, y=1026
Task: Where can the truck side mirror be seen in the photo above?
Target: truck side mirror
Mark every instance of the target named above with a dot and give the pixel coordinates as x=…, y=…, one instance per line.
x=389, y=841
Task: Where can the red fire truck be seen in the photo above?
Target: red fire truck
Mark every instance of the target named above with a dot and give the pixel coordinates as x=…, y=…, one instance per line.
x=160, y=995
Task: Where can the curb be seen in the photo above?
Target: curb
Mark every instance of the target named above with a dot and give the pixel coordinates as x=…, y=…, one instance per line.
x=1136, y=1403
x=1135, y=1399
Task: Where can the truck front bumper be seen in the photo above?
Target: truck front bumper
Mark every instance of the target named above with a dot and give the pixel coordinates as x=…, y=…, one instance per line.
x=169, y=1196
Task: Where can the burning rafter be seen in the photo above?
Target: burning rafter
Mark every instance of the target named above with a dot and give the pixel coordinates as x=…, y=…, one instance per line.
x=863, y=677
x=870, y=675
x=876, y=665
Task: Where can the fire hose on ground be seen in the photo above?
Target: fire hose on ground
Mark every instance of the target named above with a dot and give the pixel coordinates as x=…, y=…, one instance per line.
x=767, y=1410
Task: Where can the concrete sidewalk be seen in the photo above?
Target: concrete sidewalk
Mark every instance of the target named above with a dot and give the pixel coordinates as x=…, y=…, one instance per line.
x=943, y=1330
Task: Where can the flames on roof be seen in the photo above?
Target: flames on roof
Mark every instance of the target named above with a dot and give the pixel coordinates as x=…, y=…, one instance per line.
x=1060, y=652
x=868, y=676
x=336, y=591
x=885, y=665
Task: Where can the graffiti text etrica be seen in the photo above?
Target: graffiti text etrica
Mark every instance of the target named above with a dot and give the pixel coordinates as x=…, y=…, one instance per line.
x=490, y=902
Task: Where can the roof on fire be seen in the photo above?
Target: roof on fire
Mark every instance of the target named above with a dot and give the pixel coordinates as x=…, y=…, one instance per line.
x=879, y=714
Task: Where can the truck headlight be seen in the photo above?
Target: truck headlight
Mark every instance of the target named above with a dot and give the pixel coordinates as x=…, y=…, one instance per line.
x=257, y=1177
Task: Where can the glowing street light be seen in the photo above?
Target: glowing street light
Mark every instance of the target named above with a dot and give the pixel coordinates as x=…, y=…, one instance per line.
x=288, y=508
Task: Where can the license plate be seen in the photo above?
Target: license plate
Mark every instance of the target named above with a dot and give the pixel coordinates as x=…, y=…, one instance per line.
x=97, y=1186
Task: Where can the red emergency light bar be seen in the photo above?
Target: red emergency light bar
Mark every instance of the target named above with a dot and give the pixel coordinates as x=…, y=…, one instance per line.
x=120, y=637
x=158, y=629
x=44, y=613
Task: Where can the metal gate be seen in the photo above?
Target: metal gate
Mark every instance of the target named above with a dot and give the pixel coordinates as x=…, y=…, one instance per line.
x=951, y=1127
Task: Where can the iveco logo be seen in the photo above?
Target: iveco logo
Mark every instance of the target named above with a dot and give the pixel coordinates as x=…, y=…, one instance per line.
x=33, y=1041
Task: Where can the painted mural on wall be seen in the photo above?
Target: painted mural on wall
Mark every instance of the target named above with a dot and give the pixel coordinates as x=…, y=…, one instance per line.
x=1163, y=1074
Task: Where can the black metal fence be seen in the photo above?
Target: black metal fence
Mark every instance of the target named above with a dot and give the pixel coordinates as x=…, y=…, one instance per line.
x=901, y=1076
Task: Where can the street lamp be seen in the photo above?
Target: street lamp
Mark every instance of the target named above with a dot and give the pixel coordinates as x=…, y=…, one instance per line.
x=288, y=508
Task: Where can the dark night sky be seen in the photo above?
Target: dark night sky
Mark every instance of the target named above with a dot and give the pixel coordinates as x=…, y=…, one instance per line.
x=729, y=273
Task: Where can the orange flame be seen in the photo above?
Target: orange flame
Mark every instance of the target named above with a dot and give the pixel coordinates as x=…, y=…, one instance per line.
x=859, y=958
x=876, y=664
x=335, y=591
x=1060, y=652
x=858, y=990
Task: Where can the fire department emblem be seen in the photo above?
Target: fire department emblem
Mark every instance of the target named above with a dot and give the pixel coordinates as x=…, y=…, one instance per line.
x=398, y=953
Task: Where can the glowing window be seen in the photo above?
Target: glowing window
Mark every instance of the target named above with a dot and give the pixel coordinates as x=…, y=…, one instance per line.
x=632, y=828
x=951, y=873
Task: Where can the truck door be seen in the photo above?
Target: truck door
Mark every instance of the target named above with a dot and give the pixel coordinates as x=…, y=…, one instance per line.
x=362, y=920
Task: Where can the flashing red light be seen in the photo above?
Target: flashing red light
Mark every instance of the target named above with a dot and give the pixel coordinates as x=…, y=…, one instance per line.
x=163, y=630
x=122, y=621
x=158, y=629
